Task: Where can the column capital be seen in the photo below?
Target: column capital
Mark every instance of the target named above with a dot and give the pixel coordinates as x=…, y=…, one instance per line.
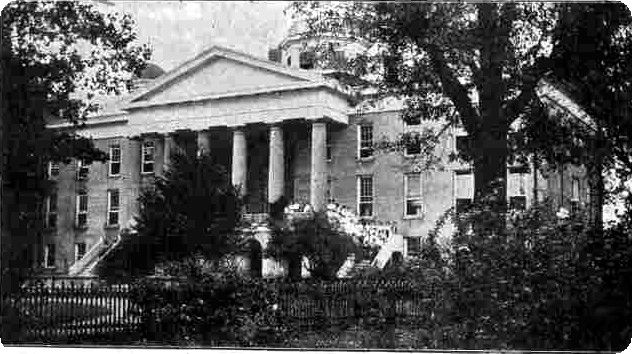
x=323, y=120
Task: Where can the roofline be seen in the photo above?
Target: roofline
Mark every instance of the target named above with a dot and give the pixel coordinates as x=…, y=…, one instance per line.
x=235, y=94
x=563, y=100
x=227, y=53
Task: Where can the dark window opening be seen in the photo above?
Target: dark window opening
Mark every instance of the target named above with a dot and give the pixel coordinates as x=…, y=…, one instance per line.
x=518, y=202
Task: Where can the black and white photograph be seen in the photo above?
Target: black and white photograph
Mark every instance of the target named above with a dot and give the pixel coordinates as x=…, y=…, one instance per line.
x=317, y=175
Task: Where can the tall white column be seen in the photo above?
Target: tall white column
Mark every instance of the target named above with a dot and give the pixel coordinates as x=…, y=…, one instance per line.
x=276, y=168
x=239, y=161
x=168, y=146
x=203, y=142
x=318, y=176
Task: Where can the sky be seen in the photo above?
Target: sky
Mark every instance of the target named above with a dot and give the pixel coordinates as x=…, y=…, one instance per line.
x=178, y=30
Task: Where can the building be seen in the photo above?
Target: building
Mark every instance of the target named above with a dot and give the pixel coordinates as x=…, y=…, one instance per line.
x=280, y=131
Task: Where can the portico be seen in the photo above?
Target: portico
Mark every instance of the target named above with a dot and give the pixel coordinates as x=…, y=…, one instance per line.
x=263, y=158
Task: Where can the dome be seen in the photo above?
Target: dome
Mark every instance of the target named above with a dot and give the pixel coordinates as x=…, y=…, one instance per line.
x=151, y=71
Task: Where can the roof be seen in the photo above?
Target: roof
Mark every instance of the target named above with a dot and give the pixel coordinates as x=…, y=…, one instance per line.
x=216, y=51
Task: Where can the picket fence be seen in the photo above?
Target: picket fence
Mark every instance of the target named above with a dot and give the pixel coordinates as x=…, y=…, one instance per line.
x=93, y=313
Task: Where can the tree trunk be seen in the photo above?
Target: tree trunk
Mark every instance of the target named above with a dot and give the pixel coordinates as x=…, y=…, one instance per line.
x=490, y=171
x=295, y=267
x=595, y=180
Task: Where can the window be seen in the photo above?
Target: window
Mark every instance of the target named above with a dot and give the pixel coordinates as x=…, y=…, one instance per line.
x=365, y=196
x=518, y=202
x=413, y=245
x=82, y=170
x=49, y=255
x=82, y=209
x=53, y=169
x=575, y=195
x=51, y=211
x=80, y=251
x=413, y=147
x=365, y=137
x=463, y=184
x=463, y=145
x=330, y=198
x=148, y=157
x=412, y=119
x=115, y=160
x=516, y=183
x=113, y=207
x=328, y=146
x=307, y=60
x=413, y=194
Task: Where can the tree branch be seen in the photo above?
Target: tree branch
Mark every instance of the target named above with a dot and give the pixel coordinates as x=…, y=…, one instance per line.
x=453, y=88
x=513, y=107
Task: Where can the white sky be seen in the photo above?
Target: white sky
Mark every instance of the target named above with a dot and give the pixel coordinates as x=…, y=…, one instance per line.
x=177, y=30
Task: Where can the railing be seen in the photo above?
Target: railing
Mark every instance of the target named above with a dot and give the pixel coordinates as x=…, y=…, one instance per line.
x=395, y=243
x=93, y=253
x=71, y=314
x=346, y=267
x=255, y=218
x=75, y=314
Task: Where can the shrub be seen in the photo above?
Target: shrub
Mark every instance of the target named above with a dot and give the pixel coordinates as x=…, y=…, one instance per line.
x=315, y=238
x=212, y=311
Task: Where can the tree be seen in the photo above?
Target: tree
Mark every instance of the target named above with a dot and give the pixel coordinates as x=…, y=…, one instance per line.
x=597, y=75
x=193, y=208
x=314, y=238
x=55, y=56
x=477, y=65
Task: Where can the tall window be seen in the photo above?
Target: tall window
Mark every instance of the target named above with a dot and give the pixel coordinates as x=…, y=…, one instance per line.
x=82, y=209
x=575, y=195
x=330, y=197
x=463, y=189
x=113, y=207
x=53, y=169
x=365, y=196
x=413, y=245
x=148, y=157
x=49, y=255
x=82, y=170
x=463, y=145
x=51, y=211
x=413, y=194
x=80, y=250
x=365, y=137
x=115, y=160
x=413, y=147
x=328, y=146
x=516, y=188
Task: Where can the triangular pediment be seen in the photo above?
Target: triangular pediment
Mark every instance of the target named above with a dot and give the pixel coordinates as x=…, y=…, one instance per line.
x=220, y=71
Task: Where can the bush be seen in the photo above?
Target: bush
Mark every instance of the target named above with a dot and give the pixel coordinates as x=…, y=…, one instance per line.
x=215, y=311
x=536, y=283
x=315, y=238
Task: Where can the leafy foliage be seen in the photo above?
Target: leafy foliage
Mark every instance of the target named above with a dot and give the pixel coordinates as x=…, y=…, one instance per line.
x=325, y=247
x=55, y=56
x=479, y=66
x=193, y=208
x=540, y=283
x=473, y=64
x=215, y=311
